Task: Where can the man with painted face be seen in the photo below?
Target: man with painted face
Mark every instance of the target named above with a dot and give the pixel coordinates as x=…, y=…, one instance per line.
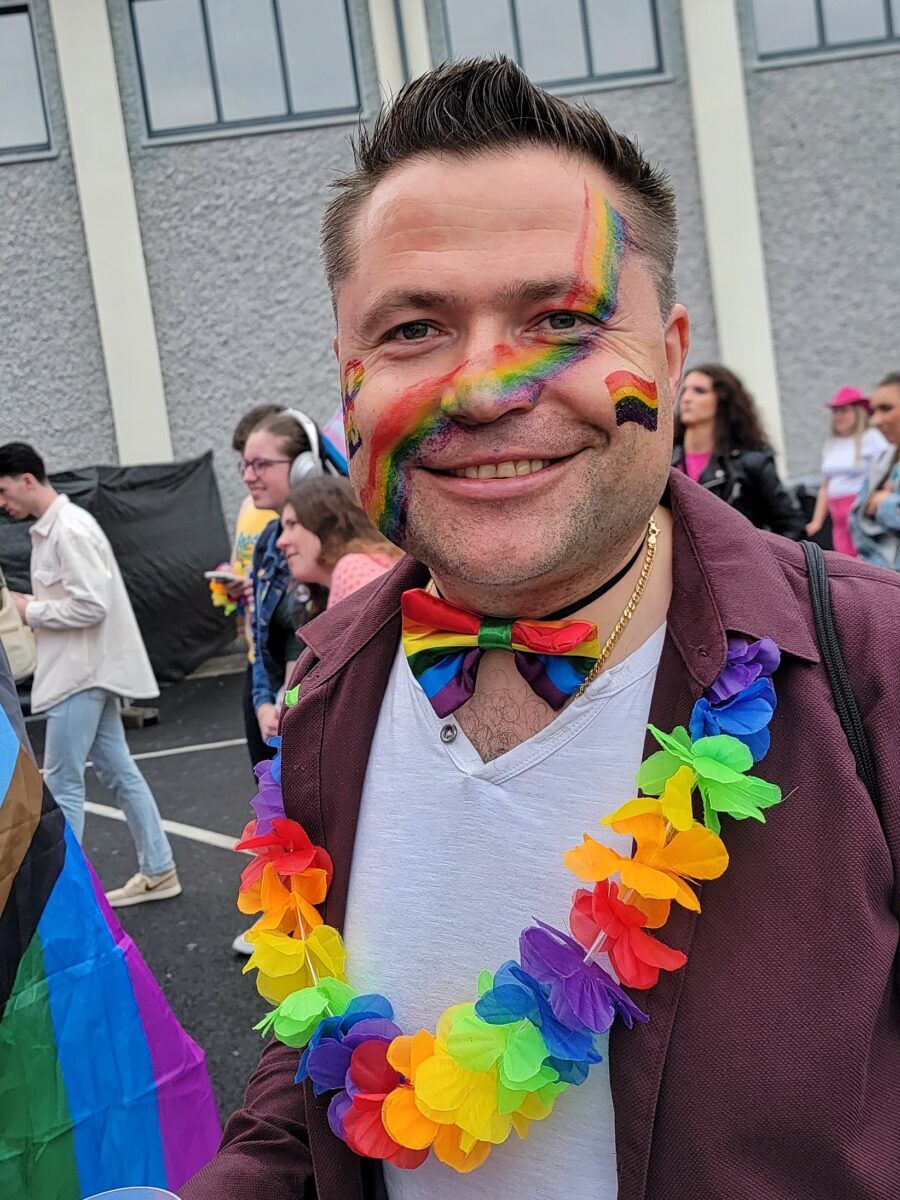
x=509, y=344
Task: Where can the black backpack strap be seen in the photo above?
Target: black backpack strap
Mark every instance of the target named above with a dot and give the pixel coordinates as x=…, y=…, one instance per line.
x=841, y=690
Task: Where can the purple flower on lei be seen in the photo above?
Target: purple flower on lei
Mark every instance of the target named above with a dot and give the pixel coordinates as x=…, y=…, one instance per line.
x=745, y=662
x=582, y=995
x=326, y=1058
x=268, y=803
x=742, y=700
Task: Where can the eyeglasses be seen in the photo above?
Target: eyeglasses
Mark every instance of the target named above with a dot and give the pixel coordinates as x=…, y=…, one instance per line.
x=258, y=465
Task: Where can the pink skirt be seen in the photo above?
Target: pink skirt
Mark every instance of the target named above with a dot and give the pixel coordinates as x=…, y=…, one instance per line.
x=840, y=524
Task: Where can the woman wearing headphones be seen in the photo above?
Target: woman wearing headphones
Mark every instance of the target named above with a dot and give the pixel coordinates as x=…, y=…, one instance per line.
x=282, y=450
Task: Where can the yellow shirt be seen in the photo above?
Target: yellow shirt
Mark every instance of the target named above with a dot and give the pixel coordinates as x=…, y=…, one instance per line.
x=251, y=521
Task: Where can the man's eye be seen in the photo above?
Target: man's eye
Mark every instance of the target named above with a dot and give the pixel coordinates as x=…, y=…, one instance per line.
x=565, y=322
x=411, y=331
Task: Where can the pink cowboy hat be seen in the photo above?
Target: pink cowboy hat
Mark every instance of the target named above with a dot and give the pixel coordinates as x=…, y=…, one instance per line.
x=848, y=395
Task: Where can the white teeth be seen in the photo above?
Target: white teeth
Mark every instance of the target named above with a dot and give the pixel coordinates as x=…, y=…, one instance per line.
x=503, y=470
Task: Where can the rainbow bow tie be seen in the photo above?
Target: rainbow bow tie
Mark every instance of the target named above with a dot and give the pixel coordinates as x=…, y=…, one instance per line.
x=444, y=645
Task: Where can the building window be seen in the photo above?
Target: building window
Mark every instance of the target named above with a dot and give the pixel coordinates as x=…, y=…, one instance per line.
x=786, y=27
x=563, y=44
x=23, y=115
x=222, y=64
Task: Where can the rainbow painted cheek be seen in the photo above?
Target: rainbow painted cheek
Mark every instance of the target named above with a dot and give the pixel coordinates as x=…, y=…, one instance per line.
x=634, y=399
x=353, y=381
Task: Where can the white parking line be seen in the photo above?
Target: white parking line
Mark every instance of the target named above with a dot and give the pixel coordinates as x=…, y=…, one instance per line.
x=190, y=749
x=193, y=832
x=185, y=749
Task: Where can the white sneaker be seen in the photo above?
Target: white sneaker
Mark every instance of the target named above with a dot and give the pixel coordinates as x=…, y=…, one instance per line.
x=141, y=888
x=240, y=945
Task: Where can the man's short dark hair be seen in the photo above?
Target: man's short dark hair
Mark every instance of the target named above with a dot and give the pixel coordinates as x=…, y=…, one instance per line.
x=249, y=422
x=478, y=105
x=18, y=458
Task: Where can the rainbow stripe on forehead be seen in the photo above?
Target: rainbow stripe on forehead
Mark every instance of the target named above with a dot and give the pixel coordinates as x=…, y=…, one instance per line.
x=514, y=374
x=599, y=254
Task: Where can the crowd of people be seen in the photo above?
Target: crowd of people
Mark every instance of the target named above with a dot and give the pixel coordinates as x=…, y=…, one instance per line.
x=537, y=619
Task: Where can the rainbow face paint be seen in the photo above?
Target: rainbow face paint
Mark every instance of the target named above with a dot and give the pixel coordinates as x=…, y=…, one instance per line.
x=353, y=380
x=634, y=399
x=514, y=374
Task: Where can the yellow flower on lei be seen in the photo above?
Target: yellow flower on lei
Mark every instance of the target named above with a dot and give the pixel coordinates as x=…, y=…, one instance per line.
x=287, y=964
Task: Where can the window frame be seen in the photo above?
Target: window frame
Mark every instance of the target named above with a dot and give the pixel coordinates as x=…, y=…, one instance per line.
x=823, y=50
x=586, y=83
x=35, y=151
x=222, y=128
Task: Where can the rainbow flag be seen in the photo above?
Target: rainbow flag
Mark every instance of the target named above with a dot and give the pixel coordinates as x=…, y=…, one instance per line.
x=100, y=1087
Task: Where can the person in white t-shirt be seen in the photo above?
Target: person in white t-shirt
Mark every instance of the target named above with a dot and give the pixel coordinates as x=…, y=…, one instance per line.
x=89, y=654
x=846, y=458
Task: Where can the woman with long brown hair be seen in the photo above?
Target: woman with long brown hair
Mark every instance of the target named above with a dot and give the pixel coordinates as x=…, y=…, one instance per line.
x=328, y=540
x=720, y=442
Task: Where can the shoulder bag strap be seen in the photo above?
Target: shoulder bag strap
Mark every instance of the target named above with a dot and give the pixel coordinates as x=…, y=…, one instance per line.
x=841, y=690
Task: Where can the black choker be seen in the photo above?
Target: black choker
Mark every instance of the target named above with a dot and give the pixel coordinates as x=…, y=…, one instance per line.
x=585, y=600
x=598, y=592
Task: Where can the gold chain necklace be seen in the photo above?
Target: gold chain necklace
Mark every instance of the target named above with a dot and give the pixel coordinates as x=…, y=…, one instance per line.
x=628, y=612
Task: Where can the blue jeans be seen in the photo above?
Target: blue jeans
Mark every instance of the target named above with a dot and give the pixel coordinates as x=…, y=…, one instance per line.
x=86, y=726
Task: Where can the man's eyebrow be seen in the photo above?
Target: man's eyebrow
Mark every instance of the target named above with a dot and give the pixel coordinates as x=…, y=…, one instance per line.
x=395, y=300
x=518, y=291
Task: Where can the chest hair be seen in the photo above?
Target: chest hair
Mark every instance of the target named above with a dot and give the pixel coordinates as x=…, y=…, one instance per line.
x=504, y=711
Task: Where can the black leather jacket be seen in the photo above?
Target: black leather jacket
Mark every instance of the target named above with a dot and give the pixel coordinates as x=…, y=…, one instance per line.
x=748, y=480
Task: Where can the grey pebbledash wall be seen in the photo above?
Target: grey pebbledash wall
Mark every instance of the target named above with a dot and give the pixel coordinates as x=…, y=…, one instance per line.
x=52, y=380
x=826, y=141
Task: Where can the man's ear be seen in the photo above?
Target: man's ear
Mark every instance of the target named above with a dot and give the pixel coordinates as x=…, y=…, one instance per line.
x=334, y=346
x=677, y=338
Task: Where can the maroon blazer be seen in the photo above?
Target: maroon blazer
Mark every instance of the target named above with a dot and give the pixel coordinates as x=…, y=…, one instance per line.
x=771, y=1064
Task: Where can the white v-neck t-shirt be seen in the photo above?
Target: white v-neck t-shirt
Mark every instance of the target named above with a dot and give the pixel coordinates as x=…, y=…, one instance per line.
x=454, y=857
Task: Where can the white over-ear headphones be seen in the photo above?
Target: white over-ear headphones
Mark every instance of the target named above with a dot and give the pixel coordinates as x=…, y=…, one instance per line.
x=308, y=463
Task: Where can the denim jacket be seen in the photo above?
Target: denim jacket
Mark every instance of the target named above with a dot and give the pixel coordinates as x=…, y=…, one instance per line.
x=270, y=582
x=877, y=538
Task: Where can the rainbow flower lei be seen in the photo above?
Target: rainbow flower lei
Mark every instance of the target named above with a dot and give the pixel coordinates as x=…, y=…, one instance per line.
x=499, y=1061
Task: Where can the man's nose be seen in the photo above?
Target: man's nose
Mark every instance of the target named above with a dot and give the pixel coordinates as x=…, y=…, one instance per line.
x=492, y=383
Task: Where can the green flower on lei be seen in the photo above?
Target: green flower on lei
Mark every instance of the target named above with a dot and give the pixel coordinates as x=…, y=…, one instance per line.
x=720, y=765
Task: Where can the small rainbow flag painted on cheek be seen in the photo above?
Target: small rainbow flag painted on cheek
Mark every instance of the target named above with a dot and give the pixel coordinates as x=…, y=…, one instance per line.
x=634, y=399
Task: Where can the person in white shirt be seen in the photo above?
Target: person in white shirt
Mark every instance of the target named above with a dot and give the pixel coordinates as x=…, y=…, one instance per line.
x=846, y=458
x=89, y=653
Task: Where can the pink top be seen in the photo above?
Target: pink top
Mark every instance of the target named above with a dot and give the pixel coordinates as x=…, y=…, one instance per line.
x=354, y=570
x=695, y=465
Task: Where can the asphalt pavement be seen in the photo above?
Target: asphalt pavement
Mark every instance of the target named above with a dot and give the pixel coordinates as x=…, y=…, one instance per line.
x=187, y=941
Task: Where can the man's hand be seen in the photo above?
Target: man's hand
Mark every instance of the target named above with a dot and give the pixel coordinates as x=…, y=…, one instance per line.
x=874, y=500
x=267, y=716
x=21, y=602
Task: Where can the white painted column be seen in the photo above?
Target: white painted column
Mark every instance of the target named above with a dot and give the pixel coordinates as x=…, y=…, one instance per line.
x=730, y=206
x=415, y=31
x=90, y=89
x=387, y=47
x=391, y=38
